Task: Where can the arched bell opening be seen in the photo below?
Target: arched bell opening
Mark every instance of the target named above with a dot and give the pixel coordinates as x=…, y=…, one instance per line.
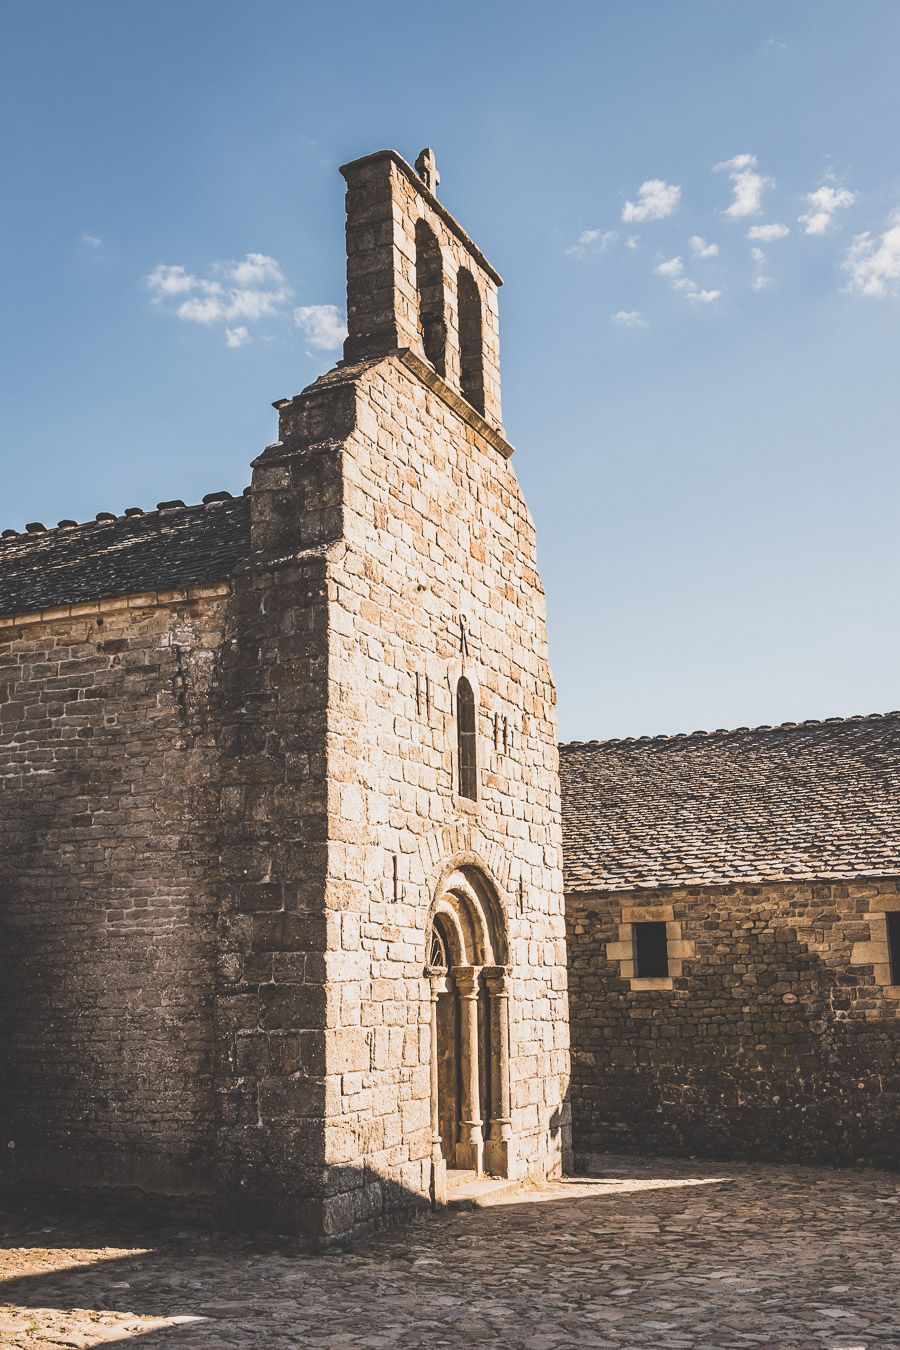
x=430, y=297
x=466, y=965
x=471, y=339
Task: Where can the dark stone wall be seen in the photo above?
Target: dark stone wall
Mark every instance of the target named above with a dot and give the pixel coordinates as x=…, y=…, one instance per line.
x=107, y=896
x=779, y=1039
x=163, y=851
x=271, y=991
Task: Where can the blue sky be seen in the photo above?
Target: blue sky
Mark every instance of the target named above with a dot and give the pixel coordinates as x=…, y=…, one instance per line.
x=708, y=439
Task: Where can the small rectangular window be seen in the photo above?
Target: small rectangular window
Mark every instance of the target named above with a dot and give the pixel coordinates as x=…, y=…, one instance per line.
x=893, y=936
x=651, y=956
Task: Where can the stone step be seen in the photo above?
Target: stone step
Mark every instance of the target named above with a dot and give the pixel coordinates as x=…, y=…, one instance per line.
x=468, y=1190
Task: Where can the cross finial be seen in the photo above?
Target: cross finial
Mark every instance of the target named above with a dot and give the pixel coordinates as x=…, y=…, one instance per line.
x=426, y=168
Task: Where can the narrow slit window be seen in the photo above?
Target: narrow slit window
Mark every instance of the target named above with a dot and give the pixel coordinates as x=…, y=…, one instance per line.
x=467, y=755
x=651, y=953
x=893, y=935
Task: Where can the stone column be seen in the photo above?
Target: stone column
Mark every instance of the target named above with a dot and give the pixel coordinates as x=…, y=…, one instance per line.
x=470, y=1148
x=498, y=1148
x=438, y=1162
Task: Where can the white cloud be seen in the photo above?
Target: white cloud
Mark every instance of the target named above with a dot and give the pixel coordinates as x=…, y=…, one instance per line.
x=91, y=240
x=761, y=279
x=873, y=265
x=747, y=185
x=656, y=200
x=631, y=241
x=200, y=309
x=738, y=164
x=257, y=269
x=323, y=325
x=253, y=305
x=673, y=270
x=592, y=241
x=701, y=249
x=629, y=318
x=766, y=234
x=822, y=205
x=171, y=281
x=252, y=289
x=699, y=297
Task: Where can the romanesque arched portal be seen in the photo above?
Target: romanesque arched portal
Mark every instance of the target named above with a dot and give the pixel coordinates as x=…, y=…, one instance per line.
x=466, y=963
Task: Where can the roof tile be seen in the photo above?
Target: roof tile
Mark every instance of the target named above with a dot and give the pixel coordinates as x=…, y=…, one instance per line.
x=125, y=555
x=811, y=801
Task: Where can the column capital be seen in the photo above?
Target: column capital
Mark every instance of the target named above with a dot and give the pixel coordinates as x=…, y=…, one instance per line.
x=498, y=979
x=437, y=979
x=466, y=978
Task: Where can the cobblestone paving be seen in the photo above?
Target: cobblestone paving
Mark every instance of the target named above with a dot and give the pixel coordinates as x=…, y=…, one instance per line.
x=648, y=1254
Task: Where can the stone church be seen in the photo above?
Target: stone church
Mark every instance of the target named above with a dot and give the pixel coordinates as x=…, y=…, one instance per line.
x=283, y=924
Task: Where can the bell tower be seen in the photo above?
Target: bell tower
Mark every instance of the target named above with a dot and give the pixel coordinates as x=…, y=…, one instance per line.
x=416, y=281
x=394, y=932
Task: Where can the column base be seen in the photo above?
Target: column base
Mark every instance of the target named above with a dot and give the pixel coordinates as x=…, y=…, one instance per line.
x=498, y=1157
x=470, y=1152
x=438, y=1183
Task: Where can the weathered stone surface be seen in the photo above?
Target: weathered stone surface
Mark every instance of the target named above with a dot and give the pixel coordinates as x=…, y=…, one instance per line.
x=777, y=1039
x=108, y=875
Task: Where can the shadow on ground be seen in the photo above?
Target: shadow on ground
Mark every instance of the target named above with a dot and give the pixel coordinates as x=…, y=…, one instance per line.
x=650, y=1254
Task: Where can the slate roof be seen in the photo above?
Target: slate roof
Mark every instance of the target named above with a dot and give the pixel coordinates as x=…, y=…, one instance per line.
x=124, y=555
x=814, y=800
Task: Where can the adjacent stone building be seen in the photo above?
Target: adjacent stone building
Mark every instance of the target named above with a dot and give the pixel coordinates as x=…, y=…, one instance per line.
x=733, y=909
x=280, y=871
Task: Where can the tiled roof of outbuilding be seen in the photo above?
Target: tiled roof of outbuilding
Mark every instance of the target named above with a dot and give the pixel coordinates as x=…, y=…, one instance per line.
x=813, y=800
x=166, y=549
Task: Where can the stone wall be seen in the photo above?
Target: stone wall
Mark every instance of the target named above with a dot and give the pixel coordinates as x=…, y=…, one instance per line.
x=777, y=1040
x=107, y=894
x=270, y=993
x=433, y=575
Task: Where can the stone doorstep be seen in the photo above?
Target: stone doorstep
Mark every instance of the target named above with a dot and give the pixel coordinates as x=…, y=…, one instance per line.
x=468, y=1190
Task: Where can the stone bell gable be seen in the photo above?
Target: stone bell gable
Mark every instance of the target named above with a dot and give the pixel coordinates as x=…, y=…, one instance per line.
x=416, y=280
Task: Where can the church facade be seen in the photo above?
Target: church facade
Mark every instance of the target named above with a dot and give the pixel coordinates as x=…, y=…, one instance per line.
x=282, y=911
x=283, y=923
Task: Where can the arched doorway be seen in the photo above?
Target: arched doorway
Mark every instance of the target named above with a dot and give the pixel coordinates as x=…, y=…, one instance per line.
x=469, y=977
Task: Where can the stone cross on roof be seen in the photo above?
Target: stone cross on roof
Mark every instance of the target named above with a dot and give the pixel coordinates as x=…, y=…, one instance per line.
x=426, y=168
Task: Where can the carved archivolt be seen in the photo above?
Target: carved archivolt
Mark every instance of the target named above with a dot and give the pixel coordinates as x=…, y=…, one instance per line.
x=472, y=921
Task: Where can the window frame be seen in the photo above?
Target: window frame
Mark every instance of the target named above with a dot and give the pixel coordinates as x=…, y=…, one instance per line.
x=892, y=925
x=651, y=956
x=466, y=739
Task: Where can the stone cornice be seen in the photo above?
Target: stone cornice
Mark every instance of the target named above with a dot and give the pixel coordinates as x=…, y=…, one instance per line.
x=91, y=608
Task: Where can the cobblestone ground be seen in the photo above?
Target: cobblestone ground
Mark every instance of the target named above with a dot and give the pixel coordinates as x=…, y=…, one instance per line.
x=647, y=1254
